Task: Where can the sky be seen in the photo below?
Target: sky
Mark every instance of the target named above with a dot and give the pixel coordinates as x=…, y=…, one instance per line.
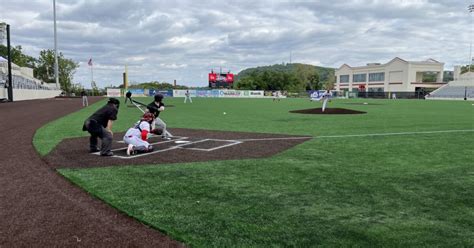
x=183, y=40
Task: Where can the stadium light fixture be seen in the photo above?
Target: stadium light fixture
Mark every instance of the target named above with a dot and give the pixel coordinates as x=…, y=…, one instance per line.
x=3, y=30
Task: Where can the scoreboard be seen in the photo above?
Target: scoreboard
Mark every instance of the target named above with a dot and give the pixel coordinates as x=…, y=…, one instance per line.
x=221, y=80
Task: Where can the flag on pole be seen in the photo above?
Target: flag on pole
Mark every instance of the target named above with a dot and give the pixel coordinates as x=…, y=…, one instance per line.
x=90, y=62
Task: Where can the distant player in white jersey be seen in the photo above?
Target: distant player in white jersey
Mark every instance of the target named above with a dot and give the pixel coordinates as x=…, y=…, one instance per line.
x=276, y=95
x=136, y=136
x=187, y=96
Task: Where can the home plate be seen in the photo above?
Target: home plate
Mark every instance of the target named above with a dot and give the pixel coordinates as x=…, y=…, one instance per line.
x=182, y=141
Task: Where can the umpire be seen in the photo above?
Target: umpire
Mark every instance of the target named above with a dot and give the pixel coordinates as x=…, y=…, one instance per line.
x=99, y=125
x=128, y=96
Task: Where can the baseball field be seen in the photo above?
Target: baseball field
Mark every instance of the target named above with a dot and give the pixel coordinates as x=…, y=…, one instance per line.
x=401, y=174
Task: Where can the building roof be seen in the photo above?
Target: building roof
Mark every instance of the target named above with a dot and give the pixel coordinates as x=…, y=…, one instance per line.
x=375, y=65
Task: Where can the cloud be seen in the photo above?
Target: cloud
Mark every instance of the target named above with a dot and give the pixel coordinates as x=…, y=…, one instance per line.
x=184, y=39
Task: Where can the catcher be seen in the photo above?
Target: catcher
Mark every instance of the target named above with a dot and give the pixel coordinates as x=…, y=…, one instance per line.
x=136, y=136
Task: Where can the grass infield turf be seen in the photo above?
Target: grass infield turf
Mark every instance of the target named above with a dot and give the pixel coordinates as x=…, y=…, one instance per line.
x=400, y=190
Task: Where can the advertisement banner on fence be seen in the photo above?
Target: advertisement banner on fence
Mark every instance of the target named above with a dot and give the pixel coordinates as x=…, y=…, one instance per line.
x=254, y=93
x=230, y=93
x=137, y=92
x=268, y=93
x=113, y=92
x=177, y=93
x=220, y=93
x=165, y=93
x=181, y=93
x=203, y=93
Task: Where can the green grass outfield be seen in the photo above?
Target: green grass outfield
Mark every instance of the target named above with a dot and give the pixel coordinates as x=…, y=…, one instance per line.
x=395, y=190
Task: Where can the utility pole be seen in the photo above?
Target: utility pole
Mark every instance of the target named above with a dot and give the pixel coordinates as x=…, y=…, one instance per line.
x=9, y=59
x=471, y=9
x=56, y=66
x=10, y=81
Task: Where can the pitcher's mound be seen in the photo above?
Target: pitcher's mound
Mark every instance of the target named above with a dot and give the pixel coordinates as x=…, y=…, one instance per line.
x=328, y=111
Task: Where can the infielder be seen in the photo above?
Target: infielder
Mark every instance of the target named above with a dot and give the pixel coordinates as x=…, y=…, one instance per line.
x=187, y=96
x=156, y=107
x=136, y=136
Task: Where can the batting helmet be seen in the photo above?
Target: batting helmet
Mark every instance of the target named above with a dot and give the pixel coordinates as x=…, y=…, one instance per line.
x=158, y=97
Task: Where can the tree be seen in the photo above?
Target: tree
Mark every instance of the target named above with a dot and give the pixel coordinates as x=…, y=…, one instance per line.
x=292, y=77
x=155, y=85
x=268, y=80
x=18, y=57
x=465, y=69
x=448, y=76
x=309, y=77
x=45, y=69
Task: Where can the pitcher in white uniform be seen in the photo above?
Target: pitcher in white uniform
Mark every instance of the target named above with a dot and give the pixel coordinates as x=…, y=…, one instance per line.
x=325, y=99
x=136, y=136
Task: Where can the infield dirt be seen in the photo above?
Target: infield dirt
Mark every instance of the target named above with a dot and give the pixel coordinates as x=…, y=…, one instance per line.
x=204, y=145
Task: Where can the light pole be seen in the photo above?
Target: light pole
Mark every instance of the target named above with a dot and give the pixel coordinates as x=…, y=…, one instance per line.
x=471, y=9
x=9, y=53
x=56, y=67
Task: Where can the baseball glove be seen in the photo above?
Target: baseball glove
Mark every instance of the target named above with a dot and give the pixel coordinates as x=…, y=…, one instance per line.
x=157, y=131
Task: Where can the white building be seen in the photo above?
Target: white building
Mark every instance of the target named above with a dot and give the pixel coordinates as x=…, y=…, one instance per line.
x=397, y=75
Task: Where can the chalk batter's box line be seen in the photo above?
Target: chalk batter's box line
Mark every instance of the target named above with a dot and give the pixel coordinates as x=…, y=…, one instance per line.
x=231, y=143
x=145, y=154
x=154, y=143
x=158, y=136
x=183, y=146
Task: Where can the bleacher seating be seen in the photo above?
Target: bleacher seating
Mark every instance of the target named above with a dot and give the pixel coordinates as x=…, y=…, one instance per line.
x=461, y=87
x=454, y=92
x=20, y=79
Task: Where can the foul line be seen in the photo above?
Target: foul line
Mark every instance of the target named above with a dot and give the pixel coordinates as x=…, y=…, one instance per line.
x=153, y=152
x=389, y=134
x=283, y=138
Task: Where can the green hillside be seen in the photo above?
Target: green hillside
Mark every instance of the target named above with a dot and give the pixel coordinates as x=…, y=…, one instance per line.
x=303, y=73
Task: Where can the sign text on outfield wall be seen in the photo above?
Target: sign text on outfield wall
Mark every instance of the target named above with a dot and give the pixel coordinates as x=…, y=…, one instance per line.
x=113, y=92
x=220, y=93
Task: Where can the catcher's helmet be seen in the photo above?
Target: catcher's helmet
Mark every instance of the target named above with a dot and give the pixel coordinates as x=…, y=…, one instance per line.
x=148, y=117
x=158, y=97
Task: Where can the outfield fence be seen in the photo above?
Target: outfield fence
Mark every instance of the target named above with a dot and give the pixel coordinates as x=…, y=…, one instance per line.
x=114, y=92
